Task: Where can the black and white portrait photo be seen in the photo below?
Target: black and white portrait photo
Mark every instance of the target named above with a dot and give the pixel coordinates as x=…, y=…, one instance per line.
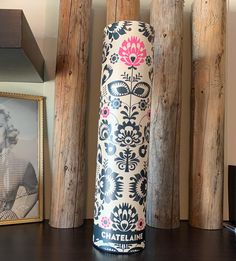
x=20, y=160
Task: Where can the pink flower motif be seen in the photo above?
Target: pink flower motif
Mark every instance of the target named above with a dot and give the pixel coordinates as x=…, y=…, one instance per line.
x=140, y=224
x=105, y=112
x=132, y=52
x=106, y=222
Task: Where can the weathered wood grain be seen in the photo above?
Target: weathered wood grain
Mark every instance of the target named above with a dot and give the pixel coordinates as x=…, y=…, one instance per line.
x=164, y=153
x=118, y=10
x=207, y=163
x=68, y=195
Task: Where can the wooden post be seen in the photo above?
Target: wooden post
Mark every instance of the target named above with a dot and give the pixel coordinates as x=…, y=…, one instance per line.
x=164, y=153
x=207, y=164
x=70, y=101
x=118, y=10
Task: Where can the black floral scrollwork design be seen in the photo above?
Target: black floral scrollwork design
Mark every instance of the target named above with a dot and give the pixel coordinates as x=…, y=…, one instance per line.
x=147, y=31
x=128, y=134
x=99, y=154
x=124, y=217
x=151, y=74
x=116, y=29
x=127, y=160
x=97, y=210
x=106, y=51
x=143, y=151
x=121, y=88
x=107, y=72
x=110, y=185
x=104, y=130
x=138, y=187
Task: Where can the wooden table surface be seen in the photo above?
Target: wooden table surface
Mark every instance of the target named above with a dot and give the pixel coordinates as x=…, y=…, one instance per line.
x=40, y=242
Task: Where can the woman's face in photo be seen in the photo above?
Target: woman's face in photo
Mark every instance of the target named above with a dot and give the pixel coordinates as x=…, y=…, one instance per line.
x=2, y=130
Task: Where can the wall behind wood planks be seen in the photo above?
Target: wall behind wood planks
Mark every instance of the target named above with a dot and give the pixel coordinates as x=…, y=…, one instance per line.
x=43, y=19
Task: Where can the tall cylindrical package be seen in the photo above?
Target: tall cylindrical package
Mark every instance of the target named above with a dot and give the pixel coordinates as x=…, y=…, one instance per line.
x=123, y=137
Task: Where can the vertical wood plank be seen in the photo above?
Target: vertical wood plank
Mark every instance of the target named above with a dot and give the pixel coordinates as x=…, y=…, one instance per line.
x=207, y=165
x=70, y=102
x=118, y=10
x=164, y=153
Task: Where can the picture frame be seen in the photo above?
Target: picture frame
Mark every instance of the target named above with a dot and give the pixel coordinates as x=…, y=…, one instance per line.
x=21, y=158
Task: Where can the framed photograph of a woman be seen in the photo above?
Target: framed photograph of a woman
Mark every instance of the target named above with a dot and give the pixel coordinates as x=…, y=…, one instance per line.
x=21, y=158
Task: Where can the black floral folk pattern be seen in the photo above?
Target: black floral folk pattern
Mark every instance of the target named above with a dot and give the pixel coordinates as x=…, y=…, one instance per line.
x=127, y=160
x=115, y=30
x=147, y=31
x=124, y=217
x=138, y=187
x=123, y=134
x=109, y=185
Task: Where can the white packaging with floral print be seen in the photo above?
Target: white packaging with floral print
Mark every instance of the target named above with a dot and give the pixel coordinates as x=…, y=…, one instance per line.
x=123, y=137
